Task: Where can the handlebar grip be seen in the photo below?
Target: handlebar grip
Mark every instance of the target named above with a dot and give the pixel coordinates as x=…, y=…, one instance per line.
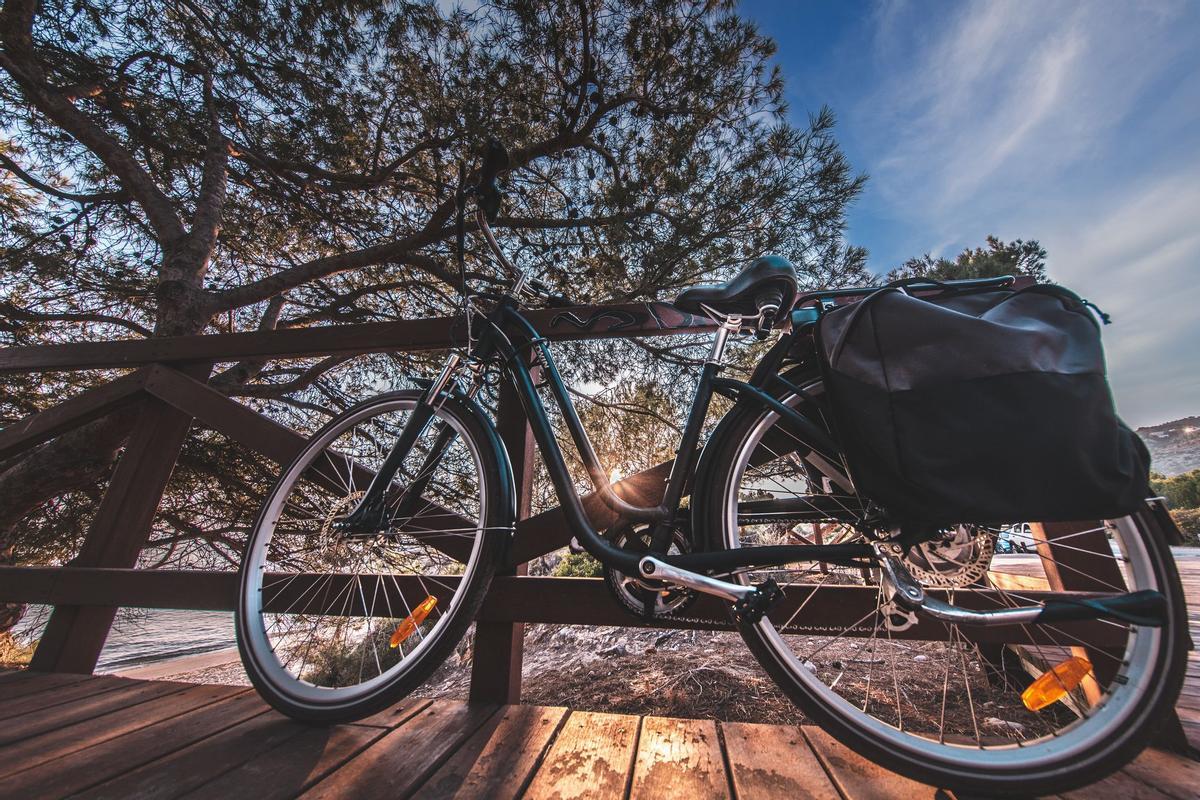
x=495, y=161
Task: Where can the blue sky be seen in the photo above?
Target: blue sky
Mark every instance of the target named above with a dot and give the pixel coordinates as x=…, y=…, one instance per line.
x=1077, y=124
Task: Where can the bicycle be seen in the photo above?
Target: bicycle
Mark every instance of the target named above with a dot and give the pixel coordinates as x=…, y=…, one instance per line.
x=373, y=553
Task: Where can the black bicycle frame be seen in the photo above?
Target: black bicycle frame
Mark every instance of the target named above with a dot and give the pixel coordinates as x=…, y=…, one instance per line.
x=508, y=338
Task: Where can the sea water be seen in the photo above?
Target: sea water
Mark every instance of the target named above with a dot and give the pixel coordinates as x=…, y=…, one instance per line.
x=146, y=636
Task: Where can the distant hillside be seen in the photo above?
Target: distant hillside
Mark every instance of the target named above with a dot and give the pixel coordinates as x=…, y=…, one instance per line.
x=1174, y=446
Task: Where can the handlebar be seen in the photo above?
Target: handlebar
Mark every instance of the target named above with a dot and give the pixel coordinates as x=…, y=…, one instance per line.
x=495, y=161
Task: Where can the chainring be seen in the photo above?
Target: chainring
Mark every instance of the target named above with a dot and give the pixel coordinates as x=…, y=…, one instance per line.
x=960, y=557
x=629, y=590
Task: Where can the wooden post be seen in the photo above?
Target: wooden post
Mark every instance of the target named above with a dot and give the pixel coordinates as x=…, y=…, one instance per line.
x=499, y=646
x=75, y=635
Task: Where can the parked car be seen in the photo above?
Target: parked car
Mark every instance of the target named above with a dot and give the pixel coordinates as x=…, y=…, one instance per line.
x=1015, y=539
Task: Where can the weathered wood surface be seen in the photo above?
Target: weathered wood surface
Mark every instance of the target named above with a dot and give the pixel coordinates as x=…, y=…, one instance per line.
x=108, y=737
x=436, y=333
x=1188, y=706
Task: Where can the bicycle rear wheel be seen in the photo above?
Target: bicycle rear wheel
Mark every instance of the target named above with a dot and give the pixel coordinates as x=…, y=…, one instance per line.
x=334, y=626
x=942, y=702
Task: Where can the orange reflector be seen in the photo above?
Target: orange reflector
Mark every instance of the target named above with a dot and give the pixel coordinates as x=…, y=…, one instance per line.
x=1054, y=684
x=410, y=623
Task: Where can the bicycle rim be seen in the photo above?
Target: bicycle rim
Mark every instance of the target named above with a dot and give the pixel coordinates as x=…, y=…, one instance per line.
x=880, y=684
x=329, y=620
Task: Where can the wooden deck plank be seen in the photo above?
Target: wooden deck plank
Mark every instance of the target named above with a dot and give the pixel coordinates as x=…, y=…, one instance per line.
x=1171, y=774
x=395, y=715
x=679, y=758
x=36, y=723
x=197, y=764
x=110, y=737
x=299, y=763
x=86, y=733
x=858, y=778
x=774, y=761
x=592, y=758
x=28, y=683
x=95, y=763
x=291, y=767
x=70, y=693
x=1120, y=786
x=403, y=759
x=499, y=760
x=8, y=674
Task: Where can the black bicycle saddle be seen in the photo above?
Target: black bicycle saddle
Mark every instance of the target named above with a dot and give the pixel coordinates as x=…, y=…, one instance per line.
x=740, y=295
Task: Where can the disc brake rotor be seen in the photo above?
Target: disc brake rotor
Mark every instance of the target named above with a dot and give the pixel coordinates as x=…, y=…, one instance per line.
x=333, y=543
x=961, y=557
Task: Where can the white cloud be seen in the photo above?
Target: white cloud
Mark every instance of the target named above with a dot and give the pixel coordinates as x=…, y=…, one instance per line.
x=1067, y=123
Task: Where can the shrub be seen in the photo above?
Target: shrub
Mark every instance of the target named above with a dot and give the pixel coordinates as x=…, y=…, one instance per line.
x=1181, y=491
x=578, y=565
x=13, y=653
x=331, y=662
x=1188, y=520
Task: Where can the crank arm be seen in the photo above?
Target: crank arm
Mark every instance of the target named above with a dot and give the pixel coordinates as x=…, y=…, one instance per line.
x=1135, y=608
x=750, y=603
x=654, y=569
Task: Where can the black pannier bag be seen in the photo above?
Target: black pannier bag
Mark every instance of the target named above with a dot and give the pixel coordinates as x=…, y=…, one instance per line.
x=980, y=406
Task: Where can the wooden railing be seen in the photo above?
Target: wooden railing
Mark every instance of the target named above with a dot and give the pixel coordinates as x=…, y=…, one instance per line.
x=168, y=382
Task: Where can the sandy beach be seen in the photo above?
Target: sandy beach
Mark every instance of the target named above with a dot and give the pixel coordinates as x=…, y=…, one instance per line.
x=217, y=666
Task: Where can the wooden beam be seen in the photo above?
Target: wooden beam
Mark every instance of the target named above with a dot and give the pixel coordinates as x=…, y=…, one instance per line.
x=435, y=333
x=549, y=531
x=229, y=417
x=75, y=635
x=555, y=601
x=84, y=407
x=281, y=444
x=499, y=648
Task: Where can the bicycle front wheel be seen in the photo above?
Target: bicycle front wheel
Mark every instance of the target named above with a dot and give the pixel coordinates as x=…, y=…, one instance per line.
x=333, y=626
x=946, y=703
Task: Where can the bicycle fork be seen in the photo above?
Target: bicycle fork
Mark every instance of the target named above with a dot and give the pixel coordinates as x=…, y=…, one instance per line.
x=371, y=516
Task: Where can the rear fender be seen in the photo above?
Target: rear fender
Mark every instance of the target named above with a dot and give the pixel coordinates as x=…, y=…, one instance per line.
x=724, y=438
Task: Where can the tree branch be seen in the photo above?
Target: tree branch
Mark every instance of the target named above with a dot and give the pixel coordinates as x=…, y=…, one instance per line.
x=12, y=311
x=206, y=222
x=19, y=61
x=74, y=197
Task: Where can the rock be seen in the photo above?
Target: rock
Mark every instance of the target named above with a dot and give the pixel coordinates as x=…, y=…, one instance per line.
x=1004, y=725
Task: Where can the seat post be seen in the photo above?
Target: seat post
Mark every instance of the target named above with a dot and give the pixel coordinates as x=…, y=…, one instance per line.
x=728, y=324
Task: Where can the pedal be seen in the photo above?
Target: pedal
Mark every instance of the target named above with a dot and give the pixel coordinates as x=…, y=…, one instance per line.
x=755, y=605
